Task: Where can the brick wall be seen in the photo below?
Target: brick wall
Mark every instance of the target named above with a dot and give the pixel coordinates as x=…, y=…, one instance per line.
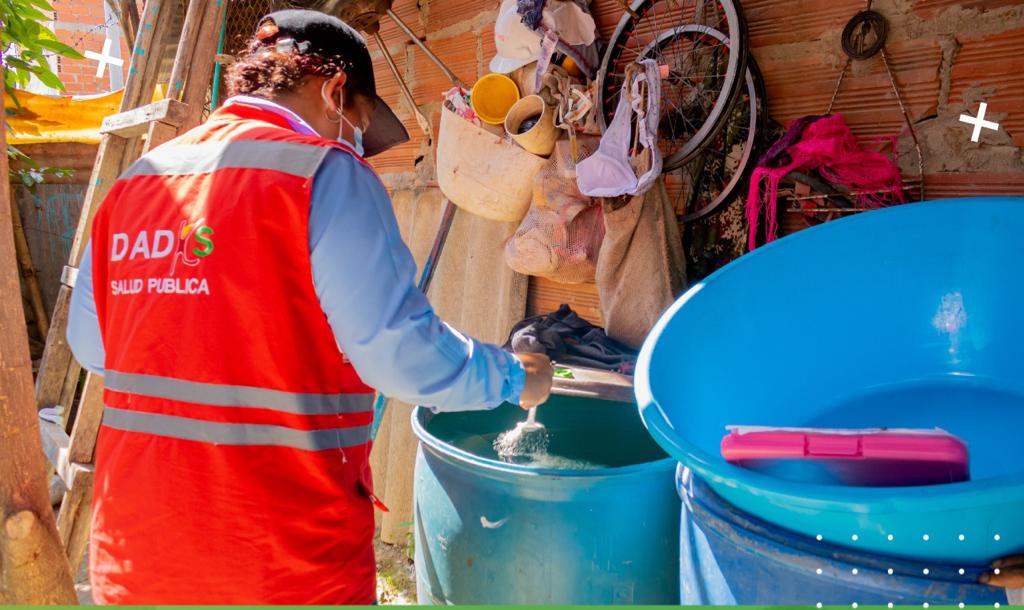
x=947, y=55
x=83, y=25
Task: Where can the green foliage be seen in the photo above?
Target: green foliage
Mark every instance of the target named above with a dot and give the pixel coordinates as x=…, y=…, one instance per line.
x=410, y=539
x=25, y=44
x=34, y=174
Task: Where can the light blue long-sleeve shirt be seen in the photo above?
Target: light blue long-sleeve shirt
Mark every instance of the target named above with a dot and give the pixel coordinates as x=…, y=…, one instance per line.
x=364, y=276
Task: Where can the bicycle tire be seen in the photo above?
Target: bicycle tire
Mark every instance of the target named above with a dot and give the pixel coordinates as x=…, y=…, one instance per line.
x=725, y=98
x=757, y=120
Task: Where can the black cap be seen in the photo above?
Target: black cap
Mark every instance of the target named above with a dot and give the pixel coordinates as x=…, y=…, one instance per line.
x=320, y=33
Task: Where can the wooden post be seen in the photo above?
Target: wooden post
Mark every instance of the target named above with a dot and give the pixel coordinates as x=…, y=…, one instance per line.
x=186, y=49
x=127, y=14
x=200, y=72
x=76, y=470
x=33, y=567
x=58, y=365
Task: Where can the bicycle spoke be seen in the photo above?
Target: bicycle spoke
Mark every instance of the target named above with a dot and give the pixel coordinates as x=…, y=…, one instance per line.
x=695, y=40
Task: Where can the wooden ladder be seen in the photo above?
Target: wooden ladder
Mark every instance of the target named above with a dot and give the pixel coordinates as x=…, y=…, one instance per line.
x=126, y=136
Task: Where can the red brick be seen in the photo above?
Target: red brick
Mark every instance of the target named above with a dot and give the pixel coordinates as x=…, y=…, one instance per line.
x=487, y=50
x=409, y=12
x=799, y=82
x=401, y=158
x=949, y=185
x=607, y=15
x=458, y=53
x=771, y=22
x=929, y=8
x=800, y=85
x=995, y=64
x=445, y=13
x=387, y=84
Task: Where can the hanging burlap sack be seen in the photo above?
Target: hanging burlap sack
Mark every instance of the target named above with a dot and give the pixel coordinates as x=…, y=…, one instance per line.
x=640, y=268
x=560, y=236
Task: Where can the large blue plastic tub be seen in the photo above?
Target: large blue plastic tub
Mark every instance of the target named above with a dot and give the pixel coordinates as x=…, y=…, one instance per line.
x=906, y=317
x=493, y=533
x=729, y=557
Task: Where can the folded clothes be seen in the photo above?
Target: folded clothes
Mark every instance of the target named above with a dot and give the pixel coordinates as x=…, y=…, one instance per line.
x=570, y=340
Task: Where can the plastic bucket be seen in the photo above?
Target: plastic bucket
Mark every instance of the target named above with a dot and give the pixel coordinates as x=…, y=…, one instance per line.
x=539, y=139
x=483, y=173
x=487, y=532
x=728, y=557
x=908, y=317
x=492, y=96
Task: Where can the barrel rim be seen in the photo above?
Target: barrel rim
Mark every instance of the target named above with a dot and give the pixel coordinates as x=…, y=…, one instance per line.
x=826, y=497
x=451, y=452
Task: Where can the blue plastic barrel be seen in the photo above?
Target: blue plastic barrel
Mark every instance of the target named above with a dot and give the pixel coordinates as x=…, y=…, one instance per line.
x=909, y=317
x=729, y=557
x=487, y=532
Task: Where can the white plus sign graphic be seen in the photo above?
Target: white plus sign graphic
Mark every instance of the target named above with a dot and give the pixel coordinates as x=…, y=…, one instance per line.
x=979, y=122
x=104, y=58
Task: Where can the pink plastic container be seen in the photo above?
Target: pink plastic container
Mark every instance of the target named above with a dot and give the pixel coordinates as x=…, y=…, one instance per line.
x=854, y=457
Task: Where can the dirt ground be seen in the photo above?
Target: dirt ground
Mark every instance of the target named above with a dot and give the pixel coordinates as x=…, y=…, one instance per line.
x=396, y=577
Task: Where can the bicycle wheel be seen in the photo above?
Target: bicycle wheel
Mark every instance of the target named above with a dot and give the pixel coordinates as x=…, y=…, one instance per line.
x=700, y=188
x=703, y=72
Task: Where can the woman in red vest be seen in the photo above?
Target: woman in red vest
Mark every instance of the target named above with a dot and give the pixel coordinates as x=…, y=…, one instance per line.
x=245, y=292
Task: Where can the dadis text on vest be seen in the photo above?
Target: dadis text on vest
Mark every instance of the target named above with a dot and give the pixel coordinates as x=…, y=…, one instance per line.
x=190, y=244
x=193, y=242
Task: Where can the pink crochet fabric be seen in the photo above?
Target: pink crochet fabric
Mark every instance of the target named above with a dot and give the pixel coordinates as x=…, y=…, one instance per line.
x=828, y=146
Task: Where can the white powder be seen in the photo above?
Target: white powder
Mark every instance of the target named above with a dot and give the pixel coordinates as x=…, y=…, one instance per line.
x=527, y=445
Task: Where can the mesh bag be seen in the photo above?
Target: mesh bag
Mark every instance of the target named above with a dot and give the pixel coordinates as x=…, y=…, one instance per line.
x=561, y=234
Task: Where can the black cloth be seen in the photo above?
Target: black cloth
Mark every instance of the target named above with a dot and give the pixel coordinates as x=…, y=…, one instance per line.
x=570, y=340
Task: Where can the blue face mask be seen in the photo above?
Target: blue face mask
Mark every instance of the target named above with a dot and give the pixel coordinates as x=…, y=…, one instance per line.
x=357, y=132
x=357, y=136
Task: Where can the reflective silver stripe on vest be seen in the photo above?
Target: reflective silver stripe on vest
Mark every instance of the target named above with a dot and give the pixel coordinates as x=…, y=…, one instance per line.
x=237, y=395
x=219, y=433
x=205, y=157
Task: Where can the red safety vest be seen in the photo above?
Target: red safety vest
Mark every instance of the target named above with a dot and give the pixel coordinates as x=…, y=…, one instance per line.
x=232, y=464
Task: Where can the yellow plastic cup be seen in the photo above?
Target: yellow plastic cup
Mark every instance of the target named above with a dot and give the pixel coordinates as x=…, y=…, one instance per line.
x=492, y=96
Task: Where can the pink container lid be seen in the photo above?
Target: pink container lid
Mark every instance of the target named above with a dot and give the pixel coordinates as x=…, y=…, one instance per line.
x=857, y=457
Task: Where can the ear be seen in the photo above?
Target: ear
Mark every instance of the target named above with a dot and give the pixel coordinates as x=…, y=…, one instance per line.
x=335, y=84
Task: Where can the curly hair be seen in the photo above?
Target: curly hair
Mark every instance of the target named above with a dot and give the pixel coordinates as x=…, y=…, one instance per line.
x=266, y=68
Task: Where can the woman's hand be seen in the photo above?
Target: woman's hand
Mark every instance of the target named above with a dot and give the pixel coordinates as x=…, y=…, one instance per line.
x=1007, y=573
x=539, y=375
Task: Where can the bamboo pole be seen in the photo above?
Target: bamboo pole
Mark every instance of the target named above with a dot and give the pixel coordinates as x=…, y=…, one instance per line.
x=28, y=273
